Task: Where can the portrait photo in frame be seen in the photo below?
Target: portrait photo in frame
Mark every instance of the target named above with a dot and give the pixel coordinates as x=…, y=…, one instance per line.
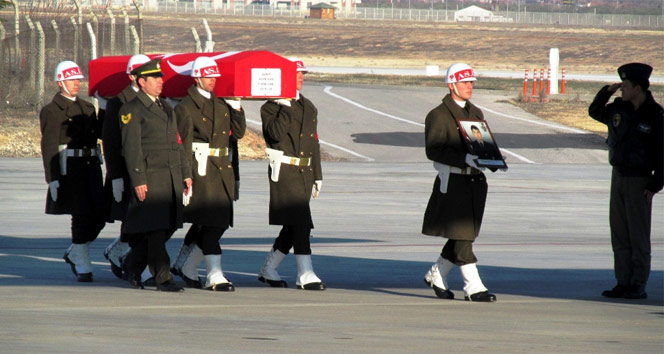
x=480, y=141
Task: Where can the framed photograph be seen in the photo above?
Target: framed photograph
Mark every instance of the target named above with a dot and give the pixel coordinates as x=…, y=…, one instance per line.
x=480, y=141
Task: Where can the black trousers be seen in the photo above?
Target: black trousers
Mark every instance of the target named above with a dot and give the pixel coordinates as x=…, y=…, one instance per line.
x=149, y=249
x=206, y=238
x=459, y=252
x=85, y=227
x=293, y=236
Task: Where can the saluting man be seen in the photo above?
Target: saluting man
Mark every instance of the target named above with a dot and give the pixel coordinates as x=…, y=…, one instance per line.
x=72, y=165
x=291, y=134
x=206, y=124
x=636, y=152
x=160, y=177
x=117, y=185
x=456, y=205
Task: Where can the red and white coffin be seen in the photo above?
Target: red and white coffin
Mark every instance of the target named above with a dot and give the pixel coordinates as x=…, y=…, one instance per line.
x=246, y=74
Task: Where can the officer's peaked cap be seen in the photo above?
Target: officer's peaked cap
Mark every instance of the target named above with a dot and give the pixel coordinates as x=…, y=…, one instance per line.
x=636, y=72
x=151, y=68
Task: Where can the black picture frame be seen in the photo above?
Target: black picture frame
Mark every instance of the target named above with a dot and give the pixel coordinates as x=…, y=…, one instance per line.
x=485, y=147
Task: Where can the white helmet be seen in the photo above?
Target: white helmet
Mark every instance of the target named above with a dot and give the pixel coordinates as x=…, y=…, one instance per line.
x=135, y=61
x=67, y=70
x=299, y=63
x=204, y=67
x=459, y=72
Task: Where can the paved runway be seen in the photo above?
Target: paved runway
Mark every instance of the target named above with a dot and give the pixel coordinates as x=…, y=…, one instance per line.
x=544, y=250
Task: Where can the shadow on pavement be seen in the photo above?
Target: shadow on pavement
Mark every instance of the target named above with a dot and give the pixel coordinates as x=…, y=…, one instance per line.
x=30, y=262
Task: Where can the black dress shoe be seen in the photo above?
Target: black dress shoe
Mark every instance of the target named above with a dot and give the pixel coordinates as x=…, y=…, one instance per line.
x=169, y=286
x=150, y=282
x=133, y=279
x=196, y=284
x=312, y=286
x=222, y=287
x=483, y=296
x=80, y=277
x=441, y=293
x=274, y=283
x=636, y=292
x=618, y=291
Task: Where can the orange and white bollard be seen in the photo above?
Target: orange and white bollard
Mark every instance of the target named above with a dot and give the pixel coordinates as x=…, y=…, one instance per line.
x=548, y=82
x=562, y=84
x=524, y=95
x=541, y=86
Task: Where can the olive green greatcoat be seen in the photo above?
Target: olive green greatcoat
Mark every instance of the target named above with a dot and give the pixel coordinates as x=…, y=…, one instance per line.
x=458, y=213
x=211, y=121
x=115, y=163
x=292, y=130
x=75, y=123
x=155, y=156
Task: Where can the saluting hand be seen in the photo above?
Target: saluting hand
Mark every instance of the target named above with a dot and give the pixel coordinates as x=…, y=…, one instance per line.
x=141, y=191
x=614, y=87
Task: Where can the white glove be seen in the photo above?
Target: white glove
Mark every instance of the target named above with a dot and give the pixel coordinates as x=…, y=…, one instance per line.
x=234, y=103
x=471, y=160
x=237, y=190
x=102, y=101
x=53, y=188
x=118, y=188
x=282, y=101
x=186, y=198
x=316, y=189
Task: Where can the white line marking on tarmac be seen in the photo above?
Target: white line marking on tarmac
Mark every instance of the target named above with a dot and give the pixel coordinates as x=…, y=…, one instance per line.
x=553, y=126
x=328, y=90
x=369, y=159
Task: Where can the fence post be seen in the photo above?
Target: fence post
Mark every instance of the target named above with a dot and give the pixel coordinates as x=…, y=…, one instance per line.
x=140, y=25
x=17, y=31
x=31, y=52
x=41, y=63
x=2, y=47
x=57, y=39
x=137, y=40
x=126, y=29
x=95, y=21
x=209, y=44
x=112, y=39
x=197, y=39
x=93, y=42
x=73, y=22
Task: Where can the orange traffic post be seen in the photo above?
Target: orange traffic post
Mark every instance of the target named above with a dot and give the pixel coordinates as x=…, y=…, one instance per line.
x=524, y=95
x=541, y=86
x=562, y=84
x=548, y=82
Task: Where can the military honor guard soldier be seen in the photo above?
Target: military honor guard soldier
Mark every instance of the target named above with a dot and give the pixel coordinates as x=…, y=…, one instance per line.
x=72, y=165
x=295, y=176
x=117, y=185
x=456, y=205
x=636, y=152
x=208, y=125
x=160, y=178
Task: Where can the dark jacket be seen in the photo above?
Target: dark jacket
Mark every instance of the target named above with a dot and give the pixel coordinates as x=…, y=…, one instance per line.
x=115, y=163
x=458, y=213
x=292, y=130
x=636, y=138
x=211, y=121
x=155, y=156
x=75, y=124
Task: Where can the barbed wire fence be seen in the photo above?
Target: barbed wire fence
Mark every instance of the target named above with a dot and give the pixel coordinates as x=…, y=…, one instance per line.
x=35, y=38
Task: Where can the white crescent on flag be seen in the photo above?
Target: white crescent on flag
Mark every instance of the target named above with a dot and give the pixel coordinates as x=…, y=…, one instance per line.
x=186, y=68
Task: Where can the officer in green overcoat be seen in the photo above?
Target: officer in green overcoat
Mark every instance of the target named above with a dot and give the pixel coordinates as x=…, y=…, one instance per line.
x=160, y=178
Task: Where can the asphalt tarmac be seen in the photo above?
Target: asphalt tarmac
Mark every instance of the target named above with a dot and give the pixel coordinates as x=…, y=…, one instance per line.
x=544, y=250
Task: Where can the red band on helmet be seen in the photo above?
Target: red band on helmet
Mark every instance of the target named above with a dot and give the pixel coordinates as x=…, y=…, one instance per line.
x=464, y=74
x=71, y=72
x=210, y=70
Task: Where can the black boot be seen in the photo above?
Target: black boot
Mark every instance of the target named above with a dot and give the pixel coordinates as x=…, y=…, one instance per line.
x=636, y=292
x=169, y=286
x=618, y=291
x=483, y=296
x=441, y=293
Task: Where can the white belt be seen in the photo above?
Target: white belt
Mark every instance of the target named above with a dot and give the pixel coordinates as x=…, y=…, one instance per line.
x=462, y=171
x=81, y=152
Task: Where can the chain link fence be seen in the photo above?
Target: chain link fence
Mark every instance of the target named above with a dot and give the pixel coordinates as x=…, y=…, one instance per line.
x=45, y=37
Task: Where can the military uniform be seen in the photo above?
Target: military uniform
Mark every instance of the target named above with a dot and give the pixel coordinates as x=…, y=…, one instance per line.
x=636, y=152
x=70, y=130
x=154, y=156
